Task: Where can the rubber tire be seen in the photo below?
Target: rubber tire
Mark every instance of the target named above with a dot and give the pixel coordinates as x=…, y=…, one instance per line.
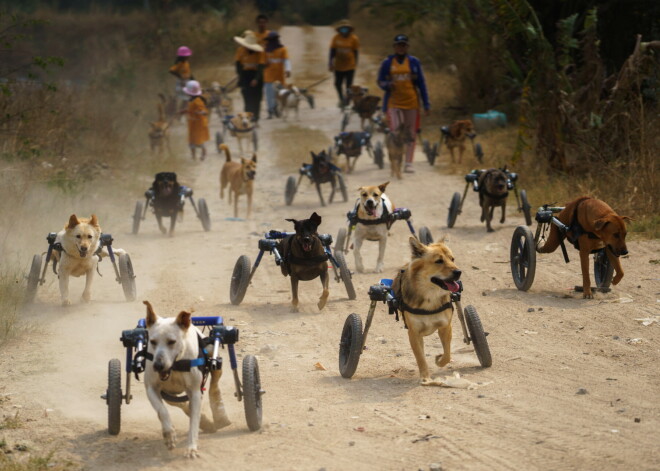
x=478, y=152
x=342, y=187
x=478, y=336
x=289, y=190
x=252, y=393
x=435, y=152
x=526, y=207
x=426, y=148
x=344, y=120
x=340, y=241
x=453, y=209
x=345, y=274
x=114, y=396
x=33, y=279
x=137, y=216
x=240, y=279
x=603, y=270
x=379, y=155
x=255, y=140
x=350, y=345
x=523, y=242
x=204, y=214
x=127, y=277
x=218, y=141
x=425, y=236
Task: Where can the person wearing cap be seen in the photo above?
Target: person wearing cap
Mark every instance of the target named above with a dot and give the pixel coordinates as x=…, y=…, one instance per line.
x=343, y=58
x=262, y=29
x=198, y=123
x=402, y=78
x=181, y=70
x=278, y=68
x=250, y=63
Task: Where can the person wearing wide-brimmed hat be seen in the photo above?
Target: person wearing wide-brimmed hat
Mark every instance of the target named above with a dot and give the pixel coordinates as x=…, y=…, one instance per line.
x=181, y=70
x=198, y=123
x=250, y=63
x=402, y=78
x=278, y=68
x=343, y=59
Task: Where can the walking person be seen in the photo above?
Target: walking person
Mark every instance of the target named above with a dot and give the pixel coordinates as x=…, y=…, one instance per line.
x=278, y=69
x=250, y=64
x=262, y=29
x=401, y=77
x=343, y=58
x=181, y=70
x=198, y=118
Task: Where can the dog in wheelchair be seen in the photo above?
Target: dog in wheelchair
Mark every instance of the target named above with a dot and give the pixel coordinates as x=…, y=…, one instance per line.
x=455, y=136
x=493, y=192
x=323, y=171
x=350, y=144
x=372, y=222
x=165, y=196
x=289, y=98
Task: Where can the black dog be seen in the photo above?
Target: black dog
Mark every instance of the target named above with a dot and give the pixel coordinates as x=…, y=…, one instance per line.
x=165, y=198
x=304, y=258
x=323, y=171
x=350, y=144
x=493, y=191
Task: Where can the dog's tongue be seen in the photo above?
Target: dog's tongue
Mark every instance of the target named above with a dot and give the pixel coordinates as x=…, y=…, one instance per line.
x=370, y=211
x=452, y=286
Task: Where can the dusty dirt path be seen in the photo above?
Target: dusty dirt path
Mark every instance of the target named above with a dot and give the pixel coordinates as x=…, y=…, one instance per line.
x=525, y=414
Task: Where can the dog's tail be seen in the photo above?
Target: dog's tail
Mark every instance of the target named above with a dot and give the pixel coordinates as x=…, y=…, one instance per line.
x=161, y=112
x=223, y=147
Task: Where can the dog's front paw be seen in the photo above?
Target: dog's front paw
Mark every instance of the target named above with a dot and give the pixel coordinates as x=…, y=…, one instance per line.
x=86, y=297
x=430, y=382
x=295, y=309
x=379, y=269
x=587, y=294
x=191, y=453
x=66, y=302
x=170, y=439
x=163, y=229
x=618, y=277
x=442, y=360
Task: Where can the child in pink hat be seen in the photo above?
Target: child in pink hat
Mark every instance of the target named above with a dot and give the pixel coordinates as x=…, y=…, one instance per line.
x=181, y=70
x=198, y=121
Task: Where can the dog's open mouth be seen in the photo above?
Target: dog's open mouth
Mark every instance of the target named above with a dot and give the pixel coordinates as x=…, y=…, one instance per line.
x=164, y=375
x=448, y=285
x=371, y=210
x=306, y=245
x=83, y=253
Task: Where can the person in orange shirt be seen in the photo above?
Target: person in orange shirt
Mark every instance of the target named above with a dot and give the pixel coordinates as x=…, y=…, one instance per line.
x=278, y=68
x=181, y=70
x=343, y=58
x=262, y=29
x=198, y=122
x=250, y=64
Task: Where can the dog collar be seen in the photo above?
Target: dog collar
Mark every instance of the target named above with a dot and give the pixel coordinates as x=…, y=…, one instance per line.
x=383, y=219
x=495, y=197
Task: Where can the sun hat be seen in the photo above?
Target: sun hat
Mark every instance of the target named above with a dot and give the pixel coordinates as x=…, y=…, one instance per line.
x=344, y=24
x=184, y=51
x=400, y=38
x=249, y=41
x=192, y=88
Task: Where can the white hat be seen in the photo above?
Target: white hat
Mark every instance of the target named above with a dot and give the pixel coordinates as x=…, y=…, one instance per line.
x=192, y=88
x=249, y=41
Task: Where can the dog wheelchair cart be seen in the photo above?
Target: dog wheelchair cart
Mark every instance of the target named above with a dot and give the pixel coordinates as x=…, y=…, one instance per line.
x=353, y=338
x=345, y=143
x=524, y=247
x=122, y=265
x=220, y=335
x=432, y=152
x=472, y=178
x=242, y=274
x=292, y=185
x=228, y=126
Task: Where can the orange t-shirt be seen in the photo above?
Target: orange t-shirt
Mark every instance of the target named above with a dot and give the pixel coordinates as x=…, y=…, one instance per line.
x=182, y=69
x=403, y=94
x=275, y=65
x=261, y=37
x=249, y=59
x=345, y=48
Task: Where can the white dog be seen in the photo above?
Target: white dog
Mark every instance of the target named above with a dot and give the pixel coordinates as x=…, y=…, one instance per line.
x=373, y=209
x=289, y=98
x=173, y=341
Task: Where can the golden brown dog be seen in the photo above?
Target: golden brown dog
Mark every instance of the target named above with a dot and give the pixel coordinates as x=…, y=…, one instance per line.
x=242, y=127
x=425, y=285
x=373, y=223
x=159, y=137
x=458, y=132
x=592, y=225
x=240, y=178
x=395, y=141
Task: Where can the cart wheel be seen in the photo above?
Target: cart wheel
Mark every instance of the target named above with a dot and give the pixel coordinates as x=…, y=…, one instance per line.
x=435, y=152
x=342, y=187
x=340, y=241
x=379, y=155
x=218, y=141
x=204, y=214
x=453, y=209
x=479, y=154
x=425, y=236
x=603, y=270
x=523, y=258
x=252, y=393
x=255, y=140
x=33, y=279
x=344, y=120
x=127, y=277
x=478, y=336
x=345, y=274
x=240, y=278
x=137, y=216
x=526, y=207
x=113, y=396
x=426, y=148
x=290, y=190
x=350, y=346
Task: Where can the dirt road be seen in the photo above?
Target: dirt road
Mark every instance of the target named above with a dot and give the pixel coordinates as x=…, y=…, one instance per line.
x=526, y=412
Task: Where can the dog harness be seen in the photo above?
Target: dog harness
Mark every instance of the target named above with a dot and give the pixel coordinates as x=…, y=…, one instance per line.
x=383, y=219
x=402, y=306
x=575, y=230
x=315, y=260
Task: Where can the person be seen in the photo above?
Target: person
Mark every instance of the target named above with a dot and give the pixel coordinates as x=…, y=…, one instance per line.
x=250, y=63
x=402, y=78
x=262, y=29
x=343, y=58
x=181, y=70
x=198, y=121
x=278, y=69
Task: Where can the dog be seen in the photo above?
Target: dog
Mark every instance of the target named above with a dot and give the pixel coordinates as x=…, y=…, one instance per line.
x=165, y=195
x=218, y=100
x=159, y=137
x=373, y=224
x=456, y=135
x=592, y=225
x=355, y=93
x=304, y=258
x=289, y=98
x=79, y=255
x=396, y=141
x=242, y=127
x=365, y=107
x=239, y=177
x=493, y=192
x=173, y=339
x=350, y=144
x=426, y=284
x=323, y=171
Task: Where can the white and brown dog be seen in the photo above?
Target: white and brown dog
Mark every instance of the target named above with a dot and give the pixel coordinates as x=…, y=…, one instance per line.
x=240, y=178
x=243, y=128
x=173, y=340
x=289, y=98
x=372, y=222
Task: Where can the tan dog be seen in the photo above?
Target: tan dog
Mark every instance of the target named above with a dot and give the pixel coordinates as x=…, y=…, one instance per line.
x=289, y=98
x=493, y=192
x=458, y=132
x=239, y=177
x=395, y=141
x=355, y=93
x=242, y=127
x=173, y=339
x=373, y=210
x=592, y=225
x=426, y=283
x=159, y=137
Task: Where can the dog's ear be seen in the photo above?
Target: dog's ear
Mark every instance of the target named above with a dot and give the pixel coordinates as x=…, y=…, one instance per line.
x=94, y=220
x=73, y=222
x=152, y=317
x=418, y=249
x=599, y=224
x=383, y=186
x=315, y=218
x=627, y=219
x=359, y=190
x=254, y=158
x=294, y=221
x=183, y=320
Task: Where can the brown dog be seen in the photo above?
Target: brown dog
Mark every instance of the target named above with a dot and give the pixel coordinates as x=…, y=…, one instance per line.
x=458, y=132
x=396, y=144
x=159, y=133
x=240, y=178
x=242, y=127
x=425, y=284
x=592, y=225
x=493, y=191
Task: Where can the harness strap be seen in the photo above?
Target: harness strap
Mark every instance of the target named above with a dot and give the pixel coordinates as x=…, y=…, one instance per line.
x=315, y=260
x=576, y=229
x=383, y=219
x=495, y=197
